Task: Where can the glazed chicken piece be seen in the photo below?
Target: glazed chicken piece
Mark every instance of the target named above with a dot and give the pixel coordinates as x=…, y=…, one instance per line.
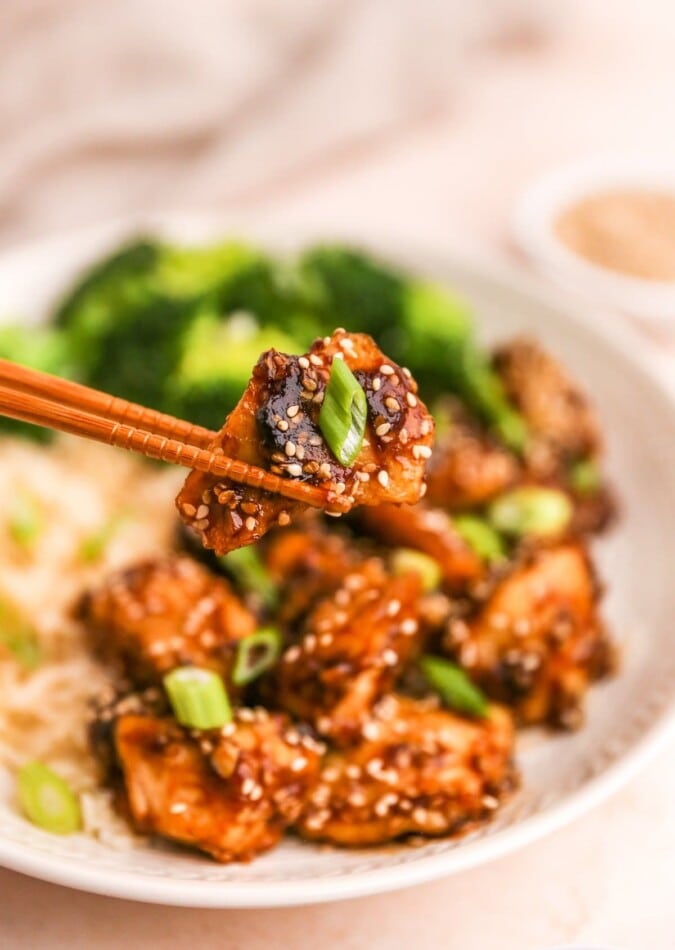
x=164, y=613
x=468, y=468
x=275, y=426
x=538, y=641
x=354, y=646
x=425, y=529
x=307, y=564
x=230, y=793
x=561, y=421
x=418, y=769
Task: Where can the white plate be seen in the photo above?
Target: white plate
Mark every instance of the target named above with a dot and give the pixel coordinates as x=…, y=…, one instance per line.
x=562, y=775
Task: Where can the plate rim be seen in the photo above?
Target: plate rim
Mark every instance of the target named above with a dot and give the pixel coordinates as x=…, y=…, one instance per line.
x=140, y=887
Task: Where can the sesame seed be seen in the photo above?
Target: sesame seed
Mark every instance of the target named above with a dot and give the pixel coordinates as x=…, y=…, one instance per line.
x=292, y=654
x=201, y=524
x=289, y=449
x=303, y=362
x=490, y=802
x=189, y=510
x=377, y=382
x=383, y=478
x=423, y=490
x=294, y=470
x=390, y=657
x=340, y=487
x=310, y=384
x=371, y=731
x=315, y=440
x=393, y=607
x=250, y=523
x=326, y=639
x=282, y=425
x=353, y=771
x=363, y=476
x=411, y=399
x=387, y=370
x=299, y=763
x=247, y=786
x=419, y=816
x=409, y=627
x=284, y=518
x=324, y=470
x=392, y=404
x=406, y=372
x=425, y=427
x=292, y=411
x=421, y=451
x=178, y=808
x=246, y=715
x=316, y=360
x=383, y=429
x=299, y=452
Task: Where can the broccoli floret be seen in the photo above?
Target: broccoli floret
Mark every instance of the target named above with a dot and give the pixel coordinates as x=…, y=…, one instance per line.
x=347, y=287
x=216, y=365
x=128, y=317
x=43, y=348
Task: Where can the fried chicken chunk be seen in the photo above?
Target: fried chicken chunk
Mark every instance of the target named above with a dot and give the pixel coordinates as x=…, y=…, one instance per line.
x=355, y=644
x=230, y=793
x=425, y=529
x=417, y=769
x=468, y=468
x=275, y=426
x=538, y=641
x=561, y=421
x=160, y=614
x=307, y=564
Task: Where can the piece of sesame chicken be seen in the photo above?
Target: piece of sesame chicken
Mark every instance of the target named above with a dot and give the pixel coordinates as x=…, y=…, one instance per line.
x=354, y=645
x=417, y=769
x=468, y=467
x=275, y=426
x=425, y=529
x=159, y=614
x=538, y=641
x=229, y=792
x=307, y=563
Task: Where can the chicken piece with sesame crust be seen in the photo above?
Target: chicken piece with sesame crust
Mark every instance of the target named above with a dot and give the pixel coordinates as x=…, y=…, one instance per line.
x=417, y=769
x=425, y=529
x=468, y=467
x=275, y=427
x=562, y=424
x=307, y=564
x=538, y=641
x=163, y=613
x=229, y=792
x=355, y=644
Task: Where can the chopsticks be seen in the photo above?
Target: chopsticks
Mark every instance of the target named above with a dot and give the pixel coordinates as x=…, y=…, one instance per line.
x=54, y=403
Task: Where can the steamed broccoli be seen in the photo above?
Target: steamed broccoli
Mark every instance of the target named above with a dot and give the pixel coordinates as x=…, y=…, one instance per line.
x=128, y=318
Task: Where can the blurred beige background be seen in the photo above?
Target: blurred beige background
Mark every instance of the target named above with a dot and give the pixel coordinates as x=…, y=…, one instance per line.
x=423, y=119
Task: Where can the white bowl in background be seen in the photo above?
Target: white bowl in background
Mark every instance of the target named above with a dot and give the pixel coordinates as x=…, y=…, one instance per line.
x=544, y=201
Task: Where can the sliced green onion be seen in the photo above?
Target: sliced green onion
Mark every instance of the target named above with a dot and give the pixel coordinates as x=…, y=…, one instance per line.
x=245, y=565
x=480, y=536
x=454, y=686
x=92, y=548
x=342, y=419
x=531, y=510
x=410, y=561
x=255, y=654
x=19, y=637
x=584, y=476
x=47, y=800
x=25, y=522
x=198, y=697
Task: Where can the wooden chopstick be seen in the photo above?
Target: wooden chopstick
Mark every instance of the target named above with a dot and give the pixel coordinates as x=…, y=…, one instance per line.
x=38, y=398
x=64, y=391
